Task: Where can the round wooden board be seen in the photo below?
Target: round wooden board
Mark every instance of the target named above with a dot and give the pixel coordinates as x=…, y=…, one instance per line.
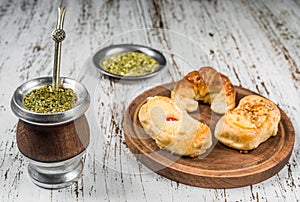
x=221, y=167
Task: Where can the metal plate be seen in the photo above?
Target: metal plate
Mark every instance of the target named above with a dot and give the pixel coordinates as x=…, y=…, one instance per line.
x=122, y=48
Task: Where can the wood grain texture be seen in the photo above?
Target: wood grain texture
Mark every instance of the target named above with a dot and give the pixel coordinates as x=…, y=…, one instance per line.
x=221, y=167
x=255, y=43
x=53, y=143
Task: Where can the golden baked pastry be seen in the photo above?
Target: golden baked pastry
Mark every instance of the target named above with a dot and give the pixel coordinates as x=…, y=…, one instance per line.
x=252, y=122
x=206, y=85
x=172, y=128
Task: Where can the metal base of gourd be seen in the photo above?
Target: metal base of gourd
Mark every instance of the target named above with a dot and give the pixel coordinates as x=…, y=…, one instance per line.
x=56, y=175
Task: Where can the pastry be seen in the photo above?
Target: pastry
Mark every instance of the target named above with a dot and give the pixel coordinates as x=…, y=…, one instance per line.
x=173, y=128
x=252, y=122
x=206, y=85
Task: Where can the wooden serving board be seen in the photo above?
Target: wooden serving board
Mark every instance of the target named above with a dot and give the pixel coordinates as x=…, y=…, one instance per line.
x=221, y=167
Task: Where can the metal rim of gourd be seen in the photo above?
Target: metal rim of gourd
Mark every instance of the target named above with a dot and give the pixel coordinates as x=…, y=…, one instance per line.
x=59, y=118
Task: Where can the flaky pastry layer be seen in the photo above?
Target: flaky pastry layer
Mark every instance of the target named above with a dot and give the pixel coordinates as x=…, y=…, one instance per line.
x=252, y=122
x=173, y=128
x=205, y=85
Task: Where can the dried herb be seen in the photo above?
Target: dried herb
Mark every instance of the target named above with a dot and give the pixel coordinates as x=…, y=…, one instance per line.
x=48, y=100
x=130, y=64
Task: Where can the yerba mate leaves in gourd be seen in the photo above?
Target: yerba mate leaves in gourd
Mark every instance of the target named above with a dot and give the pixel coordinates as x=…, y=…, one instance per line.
x=47, y=100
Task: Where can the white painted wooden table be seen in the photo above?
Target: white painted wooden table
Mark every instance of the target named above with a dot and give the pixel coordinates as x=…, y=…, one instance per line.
x=257, y=44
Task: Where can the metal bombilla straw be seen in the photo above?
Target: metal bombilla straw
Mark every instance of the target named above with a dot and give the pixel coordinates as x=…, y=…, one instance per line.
x=58, y=35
